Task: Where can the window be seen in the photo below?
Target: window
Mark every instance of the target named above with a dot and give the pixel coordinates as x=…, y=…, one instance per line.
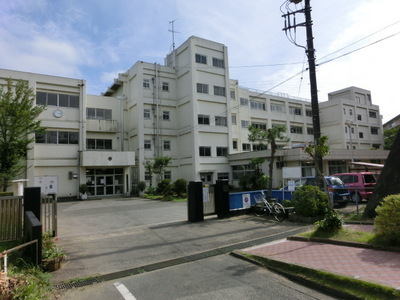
x=376, y=146
x=259, y=126
x=245, y=124
x=147, y=144
x=220, y=121
x=146, y=83
x=350, y=112
x=202, y=88
x=277, y=108
x=222, y=151
x=167, y=175
x=98, y=113
x=246, y=147
x=374, y=130
x=233, y=94
x=310, y=130
x=344, y=111
x=259, y=147
x=99, y=144
x=234, y=121
x=223, y=176
x=372, y=114
x=165, y=86
x=257, y=105
x=146, y=113
x=201, y=59
x=239, y=171
x=361, y=135
x=219, y=63
x=235, y=145
x=296, y=129
x=52, y=99
x=204, y=119
x=359, y=117
x=205, y=151
x=57, y=137
x=165, y=115
x=295, y=111
x=345, y=130
x=308, y=112
x=244, y=101
x=352, y=130
x=167, y=145
x=219, y=90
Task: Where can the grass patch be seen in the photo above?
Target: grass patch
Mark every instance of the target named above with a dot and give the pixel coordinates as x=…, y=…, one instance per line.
x=343, y=234
x=328, y=281
x=179, y=199
x=80, y=279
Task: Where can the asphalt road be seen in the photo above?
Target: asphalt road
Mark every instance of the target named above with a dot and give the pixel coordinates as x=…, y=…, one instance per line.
x=219, y=277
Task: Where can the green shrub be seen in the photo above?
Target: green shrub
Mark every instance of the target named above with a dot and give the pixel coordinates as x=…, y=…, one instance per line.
x=180, y=187
x=310, y=201
x=260, y=183
x=287, y=203
x=331, y=223
x=164, y=188
x=151, y=190
x=6, y=194
x=141, y=186
x=387, y=221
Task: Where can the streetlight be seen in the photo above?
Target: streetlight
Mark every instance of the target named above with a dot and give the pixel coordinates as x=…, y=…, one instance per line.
x=349, y=124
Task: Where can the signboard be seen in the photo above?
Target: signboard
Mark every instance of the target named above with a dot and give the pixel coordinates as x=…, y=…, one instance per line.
x=291, y=172
x=47, y=184
x=291, y=186
x=205, y=193
x=246, y=201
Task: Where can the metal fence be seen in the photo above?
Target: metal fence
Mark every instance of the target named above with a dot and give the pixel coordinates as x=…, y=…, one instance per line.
x=12, y=216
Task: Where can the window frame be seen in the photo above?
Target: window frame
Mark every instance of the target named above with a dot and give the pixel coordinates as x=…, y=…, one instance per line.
x=205, y=151
x=201, y=58
x=205, y=119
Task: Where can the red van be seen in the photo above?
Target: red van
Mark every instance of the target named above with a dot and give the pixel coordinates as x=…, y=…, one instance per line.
x=361, y=185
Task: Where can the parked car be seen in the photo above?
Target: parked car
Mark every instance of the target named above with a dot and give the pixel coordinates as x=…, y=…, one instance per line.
x=361, y=185
x=336, y=188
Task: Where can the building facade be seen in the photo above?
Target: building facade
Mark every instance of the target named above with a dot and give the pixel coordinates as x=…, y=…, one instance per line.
x=191, y=111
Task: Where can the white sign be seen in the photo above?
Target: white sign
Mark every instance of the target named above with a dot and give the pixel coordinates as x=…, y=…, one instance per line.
x=246, y=200
x=291, y=186
x=205, y=194
x=47, y=184
x=291, y=172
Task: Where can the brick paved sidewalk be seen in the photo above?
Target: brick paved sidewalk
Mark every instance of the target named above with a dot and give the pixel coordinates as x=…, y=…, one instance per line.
x=382, y=267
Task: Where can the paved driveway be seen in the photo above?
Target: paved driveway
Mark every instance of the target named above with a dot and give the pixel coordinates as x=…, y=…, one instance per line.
x=111, y=235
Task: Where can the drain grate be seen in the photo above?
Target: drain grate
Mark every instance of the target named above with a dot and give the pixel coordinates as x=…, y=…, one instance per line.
x=76, y=284
x=176, y=261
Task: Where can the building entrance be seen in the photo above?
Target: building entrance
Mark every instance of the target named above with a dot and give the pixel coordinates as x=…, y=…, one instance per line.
x=105, y=182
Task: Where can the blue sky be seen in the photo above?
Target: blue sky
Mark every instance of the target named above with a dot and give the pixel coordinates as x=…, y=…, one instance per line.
x=97, y=39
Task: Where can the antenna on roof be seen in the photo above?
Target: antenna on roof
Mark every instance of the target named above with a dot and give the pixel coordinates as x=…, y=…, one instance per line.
x=173, y=33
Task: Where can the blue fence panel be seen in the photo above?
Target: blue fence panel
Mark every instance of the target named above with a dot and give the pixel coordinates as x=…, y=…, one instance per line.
x=239, y=200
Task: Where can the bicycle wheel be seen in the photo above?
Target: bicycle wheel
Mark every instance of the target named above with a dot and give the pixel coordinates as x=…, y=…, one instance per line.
x=260, y=209
x=279, y=212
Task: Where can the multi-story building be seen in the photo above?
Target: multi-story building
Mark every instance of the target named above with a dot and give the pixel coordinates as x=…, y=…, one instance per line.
x=77, y=127
x=189, y=110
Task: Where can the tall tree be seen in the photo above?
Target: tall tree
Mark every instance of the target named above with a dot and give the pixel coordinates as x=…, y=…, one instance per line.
x=149, y=167
x=388, y=181
x=270, y=136
x=160, y=163
x=390, y=135
x=18, y=123
x=315, y=151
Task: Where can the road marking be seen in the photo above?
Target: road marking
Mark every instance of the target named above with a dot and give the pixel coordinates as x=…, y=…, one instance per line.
x=124, y=291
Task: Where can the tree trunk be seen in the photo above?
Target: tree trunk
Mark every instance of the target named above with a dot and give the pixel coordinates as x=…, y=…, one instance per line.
x=389, y=180
x=270, y=171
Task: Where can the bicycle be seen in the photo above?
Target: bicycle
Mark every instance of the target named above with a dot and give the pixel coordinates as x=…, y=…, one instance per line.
x=263, y=206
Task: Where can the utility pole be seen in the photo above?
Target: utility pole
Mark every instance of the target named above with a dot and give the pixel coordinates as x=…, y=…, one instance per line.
x=310, y=51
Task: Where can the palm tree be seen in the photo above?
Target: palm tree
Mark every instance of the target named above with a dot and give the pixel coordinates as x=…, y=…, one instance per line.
x=270, y=136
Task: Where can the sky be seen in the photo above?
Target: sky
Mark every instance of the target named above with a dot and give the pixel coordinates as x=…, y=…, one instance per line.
x=357, y=42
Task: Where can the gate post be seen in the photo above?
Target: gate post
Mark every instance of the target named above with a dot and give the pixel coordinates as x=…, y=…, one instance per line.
x=221, y=198
x=32, y=201
x=195, y=201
